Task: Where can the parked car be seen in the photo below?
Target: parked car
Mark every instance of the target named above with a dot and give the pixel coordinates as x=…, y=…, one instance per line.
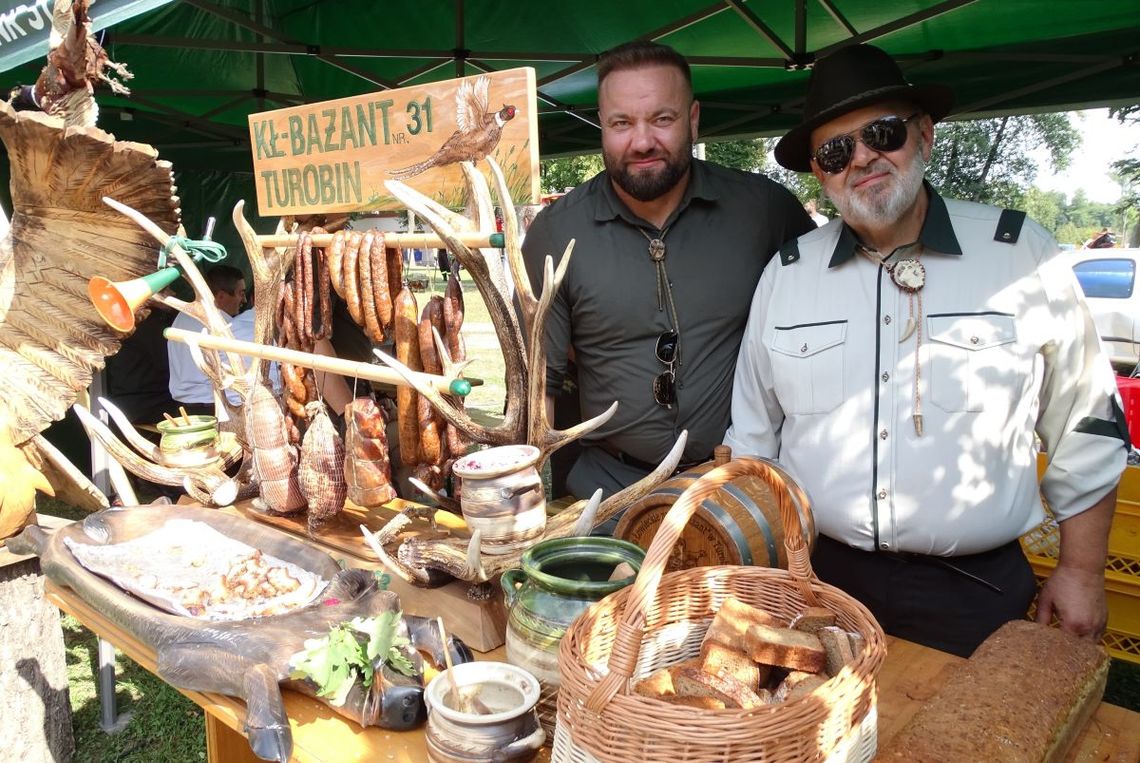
x=1108, y=278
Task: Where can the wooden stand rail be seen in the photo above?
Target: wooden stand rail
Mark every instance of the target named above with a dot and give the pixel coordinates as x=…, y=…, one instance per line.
x=347, y=368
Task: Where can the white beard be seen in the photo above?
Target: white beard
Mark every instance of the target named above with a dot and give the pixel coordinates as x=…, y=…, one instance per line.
x=881, y=205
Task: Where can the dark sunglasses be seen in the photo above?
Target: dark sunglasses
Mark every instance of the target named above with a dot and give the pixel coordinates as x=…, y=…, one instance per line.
x=665, y=384
x=883, y=135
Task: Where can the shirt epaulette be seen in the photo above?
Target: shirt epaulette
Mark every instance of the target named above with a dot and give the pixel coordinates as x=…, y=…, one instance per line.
x=1009, y=226
x=789, y=252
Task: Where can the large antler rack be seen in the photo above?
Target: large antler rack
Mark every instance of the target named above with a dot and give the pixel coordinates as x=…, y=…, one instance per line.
x=526, y=418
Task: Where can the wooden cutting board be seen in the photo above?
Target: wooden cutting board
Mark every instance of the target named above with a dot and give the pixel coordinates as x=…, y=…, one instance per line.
x=342, y=531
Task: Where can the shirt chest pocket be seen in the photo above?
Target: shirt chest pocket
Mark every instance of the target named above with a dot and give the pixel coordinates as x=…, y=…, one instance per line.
x=973, y=359
x=808, y=366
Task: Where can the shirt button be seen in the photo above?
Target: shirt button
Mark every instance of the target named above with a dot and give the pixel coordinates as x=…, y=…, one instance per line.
x=882, y=494
x=885, y=377
x=883, y=435
x=885, y=546
x=887, y=319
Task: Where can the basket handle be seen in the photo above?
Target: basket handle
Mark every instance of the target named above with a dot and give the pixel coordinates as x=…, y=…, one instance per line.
x=627, y=642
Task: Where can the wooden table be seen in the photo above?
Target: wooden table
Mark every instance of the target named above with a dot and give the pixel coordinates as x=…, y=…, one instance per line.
x=910, y=675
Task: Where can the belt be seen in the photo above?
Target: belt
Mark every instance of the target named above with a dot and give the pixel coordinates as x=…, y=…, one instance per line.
x=953, y=563
x=645, y=466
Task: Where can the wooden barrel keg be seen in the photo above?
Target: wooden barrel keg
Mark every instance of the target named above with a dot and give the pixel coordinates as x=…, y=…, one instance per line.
x=739, y=524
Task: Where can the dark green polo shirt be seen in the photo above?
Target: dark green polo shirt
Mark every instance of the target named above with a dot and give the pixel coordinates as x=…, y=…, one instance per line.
x=726, y=228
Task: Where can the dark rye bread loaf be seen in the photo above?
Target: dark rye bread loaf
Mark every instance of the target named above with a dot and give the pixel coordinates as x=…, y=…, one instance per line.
x=1024, y=695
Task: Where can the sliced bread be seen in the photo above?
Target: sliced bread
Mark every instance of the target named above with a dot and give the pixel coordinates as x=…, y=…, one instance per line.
x=812, y=619
x=694, y=682
x=786, y=648
x=704, y=703
x=716, y=657
x=838, y=648
x=734, y=618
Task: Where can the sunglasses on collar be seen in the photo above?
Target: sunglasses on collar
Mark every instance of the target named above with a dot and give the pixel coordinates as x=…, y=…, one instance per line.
x=884, y=134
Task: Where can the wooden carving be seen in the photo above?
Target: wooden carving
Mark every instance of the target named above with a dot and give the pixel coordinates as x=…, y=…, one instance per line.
x=61, y=234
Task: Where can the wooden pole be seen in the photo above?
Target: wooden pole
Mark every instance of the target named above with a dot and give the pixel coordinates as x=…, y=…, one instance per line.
x=348, y=368
x=395, y=240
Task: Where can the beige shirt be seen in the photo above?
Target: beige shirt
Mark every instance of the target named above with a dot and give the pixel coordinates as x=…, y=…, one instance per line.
x=1008, y=349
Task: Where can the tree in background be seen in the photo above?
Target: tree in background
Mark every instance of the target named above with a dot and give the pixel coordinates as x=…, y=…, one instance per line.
x=748, y=155
x=990, y=160
x=1126, y=171
x=558, y=175
x=1080, y=218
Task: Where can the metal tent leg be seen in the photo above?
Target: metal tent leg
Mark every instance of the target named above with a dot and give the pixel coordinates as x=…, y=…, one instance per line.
x=110, y=721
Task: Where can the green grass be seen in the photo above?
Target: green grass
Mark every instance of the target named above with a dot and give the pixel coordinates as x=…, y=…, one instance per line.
x=488, y=364
x=164, y=725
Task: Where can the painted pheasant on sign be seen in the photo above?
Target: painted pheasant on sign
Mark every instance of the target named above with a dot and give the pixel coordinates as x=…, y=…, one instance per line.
x=478, y=134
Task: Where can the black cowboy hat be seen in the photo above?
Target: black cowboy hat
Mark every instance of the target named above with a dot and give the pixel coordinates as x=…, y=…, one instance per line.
x=848, y=79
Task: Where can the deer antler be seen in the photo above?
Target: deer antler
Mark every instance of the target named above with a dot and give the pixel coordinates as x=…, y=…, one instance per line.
x=522, y=373
x=526, y=298
x=461, y=558
x=387, y=533
x=203, y=307
x=205, y=484
x=268, y=274
x=513, y=427
x=539, y=430
x=147, y=449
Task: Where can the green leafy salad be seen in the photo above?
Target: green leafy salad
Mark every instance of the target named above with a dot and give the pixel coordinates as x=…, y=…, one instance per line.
x=347, y=654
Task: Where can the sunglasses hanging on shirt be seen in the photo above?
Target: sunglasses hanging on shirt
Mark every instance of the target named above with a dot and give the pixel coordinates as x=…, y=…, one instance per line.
x=665, y=383
x=884, y=135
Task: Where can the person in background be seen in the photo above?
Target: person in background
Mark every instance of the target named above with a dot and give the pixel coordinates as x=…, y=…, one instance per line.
x=668, y=251
x=1103, y=240
x=900, y=366
x=817, y=217
x=189, y=387
x=138, y=376
x=443, y=260
x=242, y=328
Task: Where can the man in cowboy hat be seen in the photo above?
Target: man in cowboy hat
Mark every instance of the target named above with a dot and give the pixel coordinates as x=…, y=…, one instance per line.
x=899, y=362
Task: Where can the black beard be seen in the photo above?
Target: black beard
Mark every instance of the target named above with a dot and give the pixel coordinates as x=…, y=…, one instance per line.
x=647, y=186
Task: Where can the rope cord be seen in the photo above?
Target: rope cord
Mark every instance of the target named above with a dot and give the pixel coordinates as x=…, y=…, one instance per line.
x=200, y=250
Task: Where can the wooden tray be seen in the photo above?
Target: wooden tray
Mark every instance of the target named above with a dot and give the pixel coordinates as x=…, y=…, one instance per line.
x=342, y=532
x=480, y=622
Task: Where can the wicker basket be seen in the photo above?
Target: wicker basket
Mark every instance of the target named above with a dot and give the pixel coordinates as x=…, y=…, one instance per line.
x=661, y=620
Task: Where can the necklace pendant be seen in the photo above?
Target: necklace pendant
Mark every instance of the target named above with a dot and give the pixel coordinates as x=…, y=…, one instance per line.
x=918, y=424
x=908, y=330
x=656, y=249
x=909, y=275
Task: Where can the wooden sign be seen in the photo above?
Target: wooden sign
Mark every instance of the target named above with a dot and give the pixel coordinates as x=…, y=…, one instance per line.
x=334, y=156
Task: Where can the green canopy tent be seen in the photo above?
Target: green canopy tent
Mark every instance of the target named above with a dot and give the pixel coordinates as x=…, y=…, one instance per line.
x=201, y=66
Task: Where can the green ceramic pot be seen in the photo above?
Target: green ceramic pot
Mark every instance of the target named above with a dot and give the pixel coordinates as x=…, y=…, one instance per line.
x=193, y=444
x=559, y=579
